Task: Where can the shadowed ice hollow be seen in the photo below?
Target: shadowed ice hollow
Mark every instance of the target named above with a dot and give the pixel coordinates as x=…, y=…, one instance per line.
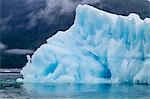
x=99, y=47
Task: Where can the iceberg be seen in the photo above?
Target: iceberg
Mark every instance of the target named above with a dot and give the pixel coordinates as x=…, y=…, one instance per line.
x=99, y=47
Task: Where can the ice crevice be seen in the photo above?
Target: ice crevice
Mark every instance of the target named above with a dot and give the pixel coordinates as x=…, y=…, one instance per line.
x=100, y=47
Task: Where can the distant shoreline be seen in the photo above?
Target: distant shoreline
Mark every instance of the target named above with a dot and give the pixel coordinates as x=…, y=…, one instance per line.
x=9, y=70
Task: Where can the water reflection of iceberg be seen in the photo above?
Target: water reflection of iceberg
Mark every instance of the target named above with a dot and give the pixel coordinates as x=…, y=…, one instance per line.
x=87, y=91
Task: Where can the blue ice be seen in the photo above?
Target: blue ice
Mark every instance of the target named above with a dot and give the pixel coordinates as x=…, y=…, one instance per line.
x=100, y=47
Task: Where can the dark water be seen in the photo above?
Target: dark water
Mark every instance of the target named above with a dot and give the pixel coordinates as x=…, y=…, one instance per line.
x=9, y=89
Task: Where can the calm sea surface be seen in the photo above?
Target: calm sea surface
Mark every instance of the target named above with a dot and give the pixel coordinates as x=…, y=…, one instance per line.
x=10, y=89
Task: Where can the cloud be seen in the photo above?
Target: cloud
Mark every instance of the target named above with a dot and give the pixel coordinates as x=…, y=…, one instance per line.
x=2, y=46
x=55, y=8
x=66, y=6
x=4, y=23
x=33, y=1
x=19, y=51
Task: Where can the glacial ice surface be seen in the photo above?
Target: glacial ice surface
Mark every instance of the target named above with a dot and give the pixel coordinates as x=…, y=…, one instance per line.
x=99, y=47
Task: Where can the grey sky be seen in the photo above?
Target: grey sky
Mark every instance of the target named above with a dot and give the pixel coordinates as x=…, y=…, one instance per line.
x=55, y=8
